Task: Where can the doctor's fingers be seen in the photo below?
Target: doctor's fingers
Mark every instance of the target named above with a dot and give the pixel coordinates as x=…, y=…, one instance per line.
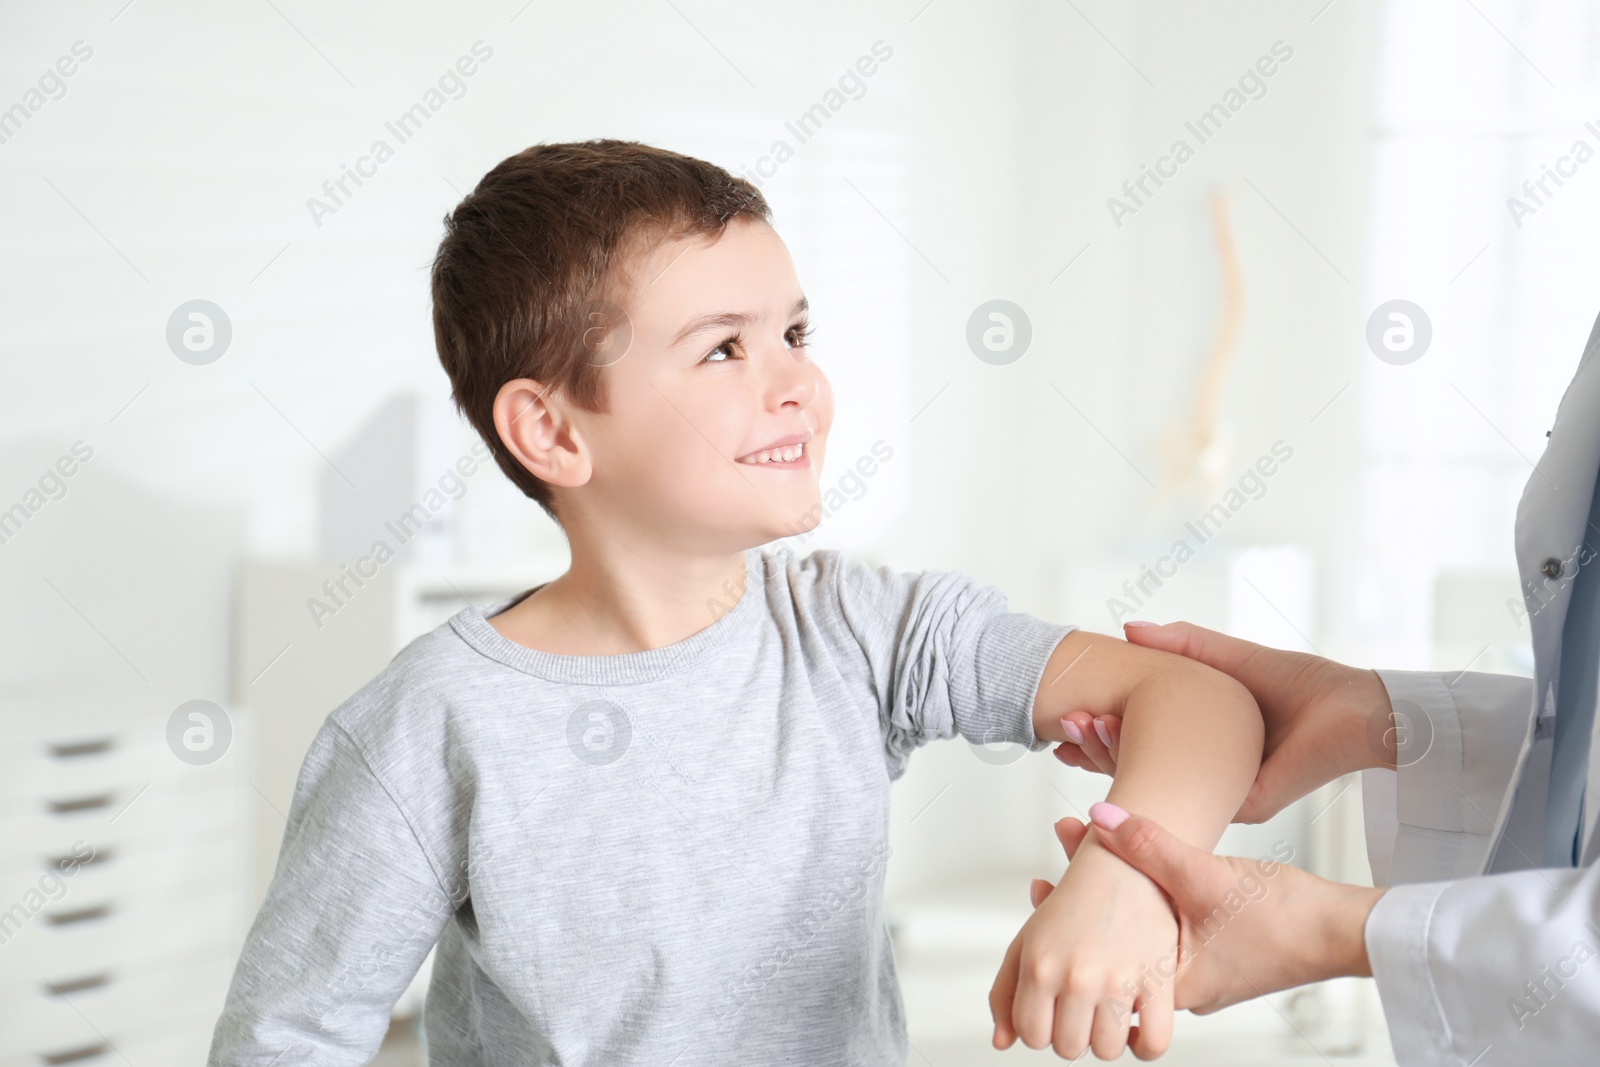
x=1091, y=737
x=1108, y=728
x=1074, y=756
x=1071, y=832
x=1227, y=654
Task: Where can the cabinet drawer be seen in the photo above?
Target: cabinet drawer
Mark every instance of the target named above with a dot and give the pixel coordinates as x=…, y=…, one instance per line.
x=140, y=866
x=87, y=762
x=124, y=1002
x=186, y=1041
x=49, y=825
x=123, y=931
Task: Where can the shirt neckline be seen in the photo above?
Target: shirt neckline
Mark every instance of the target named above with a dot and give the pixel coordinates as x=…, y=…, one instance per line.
x=623, y=668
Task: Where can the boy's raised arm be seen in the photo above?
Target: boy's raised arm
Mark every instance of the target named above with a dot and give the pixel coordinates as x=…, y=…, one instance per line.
x=1103, y=945
x=1191, y=736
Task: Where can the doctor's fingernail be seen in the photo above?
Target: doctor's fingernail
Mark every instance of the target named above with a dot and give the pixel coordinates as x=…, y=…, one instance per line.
x=1102, y=733
x=1107, y=815
x=1140, y=622
x=1070, y=728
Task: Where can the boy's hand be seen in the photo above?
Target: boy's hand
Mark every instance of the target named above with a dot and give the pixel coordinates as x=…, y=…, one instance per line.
x=1087, y=960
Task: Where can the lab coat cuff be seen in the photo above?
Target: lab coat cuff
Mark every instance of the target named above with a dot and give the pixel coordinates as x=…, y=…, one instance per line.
x=1379, y=820
x=1427, y=728
x=1396, y=936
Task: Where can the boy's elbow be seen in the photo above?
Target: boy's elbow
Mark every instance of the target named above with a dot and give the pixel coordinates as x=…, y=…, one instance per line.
x=1231, y=700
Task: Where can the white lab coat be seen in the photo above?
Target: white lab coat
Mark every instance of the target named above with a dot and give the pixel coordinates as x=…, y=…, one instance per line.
x=1481, y=958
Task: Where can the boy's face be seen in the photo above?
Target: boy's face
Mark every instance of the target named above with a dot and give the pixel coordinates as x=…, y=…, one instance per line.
x=695, y=399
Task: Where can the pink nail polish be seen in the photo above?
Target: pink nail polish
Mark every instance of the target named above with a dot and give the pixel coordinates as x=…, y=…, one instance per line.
x=1108, y=816
x=1102, y=733
x=1070, y=728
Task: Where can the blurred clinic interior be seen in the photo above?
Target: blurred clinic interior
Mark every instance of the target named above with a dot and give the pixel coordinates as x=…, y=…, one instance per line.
x=1078, y=344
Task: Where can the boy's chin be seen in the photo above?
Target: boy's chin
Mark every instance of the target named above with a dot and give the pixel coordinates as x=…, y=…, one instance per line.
x=800, y=525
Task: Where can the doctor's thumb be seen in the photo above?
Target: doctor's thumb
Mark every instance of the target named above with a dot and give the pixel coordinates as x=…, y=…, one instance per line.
x=1145, y=845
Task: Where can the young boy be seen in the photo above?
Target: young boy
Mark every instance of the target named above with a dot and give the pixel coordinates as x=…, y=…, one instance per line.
x=643, y=809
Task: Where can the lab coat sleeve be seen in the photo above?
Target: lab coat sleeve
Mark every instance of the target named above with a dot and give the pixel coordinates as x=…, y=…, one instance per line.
x=1434, y=817
x=1498, y=969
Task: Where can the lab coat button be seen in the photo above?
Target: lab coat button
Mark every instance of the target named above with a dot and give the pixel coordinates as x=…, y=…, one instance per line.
x=1552, y=568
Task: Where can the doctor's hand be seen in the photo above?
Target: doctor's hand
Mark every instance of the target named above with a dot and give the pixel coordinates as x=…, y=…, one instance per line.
x=1246, y=928
x=1323, y=719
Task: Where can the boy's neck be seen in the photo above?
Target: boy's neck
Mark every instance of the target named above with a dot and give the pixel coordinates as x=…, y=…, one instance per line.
x=615, y=602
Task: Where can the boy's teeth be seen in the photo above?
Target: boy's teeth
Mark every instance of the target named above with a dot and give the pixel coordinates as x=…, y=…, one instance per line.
x=787, y=454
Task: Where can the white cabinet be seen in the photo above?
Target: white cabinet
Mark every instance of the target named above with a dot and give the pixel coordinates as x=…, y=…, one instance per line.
x=118, y=885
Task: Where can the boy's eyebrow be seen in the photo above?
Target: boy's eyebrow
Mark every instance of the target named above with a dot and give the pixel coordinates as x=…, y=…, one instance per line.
x=727, y=320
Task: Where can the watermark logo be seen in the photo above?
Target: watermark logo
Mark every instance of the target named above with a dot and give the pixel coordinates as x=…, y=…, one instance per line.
x=50, y=889
x=1251, y=485
x=996, y=750
x=1138, y=192
x=999, y=332
x=599, y=732
x=52, y=485
x=851, y=85
x=1401, y=728
x=450, y=86
x=341, y=589
x=199, y=732
x=607, y=333
x=1399, y=332
x=199, y=332
x=51, y=86
x=1541, y=990
x=1249, y=888
x=1537, y=190
x=864, y=882
x=1554, y=576
x=851, y=486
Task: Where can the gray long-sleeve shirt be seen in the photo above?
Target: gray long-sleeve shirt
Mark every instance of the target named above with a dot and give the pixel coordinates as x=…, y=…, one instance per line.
x=673, y=856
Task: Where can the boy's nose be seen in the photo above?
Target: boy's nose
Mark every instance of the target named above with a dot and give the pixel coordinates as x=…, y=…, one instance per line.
x=794, y=380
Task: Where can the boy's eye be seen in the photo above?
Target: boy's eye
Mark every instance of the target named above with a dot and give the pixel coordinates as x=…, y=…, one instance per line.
x=797, y=336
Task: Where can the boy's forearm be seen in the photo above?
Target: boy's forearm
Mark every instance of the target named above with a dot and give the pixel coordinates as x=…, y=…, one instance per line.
x=1191, y=736
x=1190, y=749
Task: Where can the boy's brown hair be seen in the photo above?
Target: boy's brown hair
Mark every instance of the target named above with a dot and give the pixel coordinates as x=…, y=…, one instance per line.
x=532, y=275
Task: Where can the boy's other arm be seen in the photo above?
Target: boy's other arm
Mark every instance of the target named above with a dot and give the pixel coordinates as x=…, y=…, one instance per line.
x=353, y=909
x=1191, y=736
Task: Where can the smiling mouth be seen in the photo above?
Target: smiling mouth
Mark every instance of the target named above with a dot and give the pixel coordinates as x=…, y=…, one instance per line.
x=786, y=456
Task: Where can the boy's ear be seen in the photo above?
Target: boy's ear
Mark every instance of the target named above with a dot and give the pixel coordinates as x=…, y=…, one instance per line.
x=534, y=425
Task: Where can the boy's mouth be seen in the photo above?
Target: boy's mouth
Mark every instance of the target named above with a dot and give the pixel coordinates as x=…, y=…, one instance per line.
x=786, y=452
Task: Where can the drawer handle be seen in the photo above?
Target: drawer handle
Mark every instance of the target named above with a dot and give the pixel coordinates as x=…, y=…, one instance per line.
x=61, y=863
x=76, y=804
x=63, y=918
x=78, y=985
x=93, y=747
x=74, y=1055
